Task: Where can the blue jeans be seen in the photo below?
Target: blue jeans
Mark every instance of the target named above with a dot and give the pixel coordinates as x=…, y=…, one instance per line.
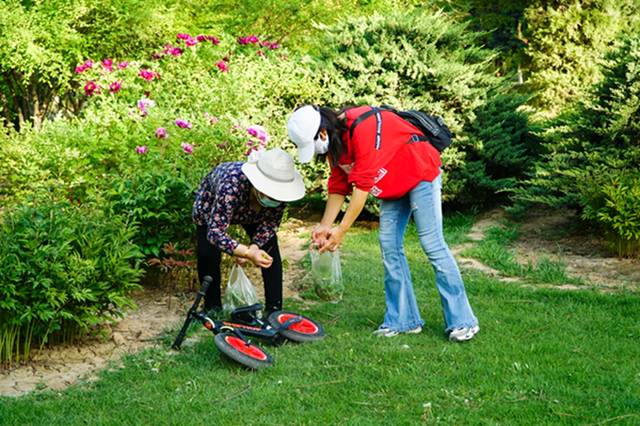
x=424, y=204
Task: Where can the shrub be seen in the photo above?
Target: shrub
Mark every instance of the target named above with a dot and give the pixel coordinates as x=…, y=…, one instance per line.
x=567, y=45
x=63, y=270
x=158, y=202
x=593, y=154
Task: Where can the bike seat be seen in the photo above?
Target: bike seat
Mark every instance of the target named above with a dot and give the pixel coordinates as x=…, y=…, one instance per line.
x=246, y=309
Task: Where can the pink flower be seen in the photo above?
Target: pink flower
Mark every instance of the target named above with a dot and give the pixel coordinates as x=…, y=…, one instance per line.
x=85, y=66
x=145, y=103
x=148, y=74
x=248, y=40
x=191, y=42
x=161, y=133
x=210, y=38
x=107, y=64
x=259, y=132
x=175, y=51
x=183, y=36
x=122, y=65
x=274, y=46
x=115, y=86
x=212, y=119
x=187, y=147
x=183, y=124
x=91, y=88
x=222, y=66
x=141, y=149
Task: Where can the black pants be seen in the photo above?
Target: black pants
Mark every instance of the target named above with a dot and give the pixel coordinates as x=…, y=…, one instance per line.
x=209, y=257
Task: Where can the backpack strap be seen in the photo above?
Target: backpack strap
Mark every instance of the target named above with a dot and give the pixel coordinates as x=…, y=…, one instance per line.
x=373, y=111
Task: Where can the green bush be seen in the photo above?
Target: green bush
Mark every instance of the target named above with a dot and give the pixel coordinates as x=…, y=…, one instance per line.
x=593, y=154
x=567, y=45
x=43, y=41
x=158, y=202
x=63, y=270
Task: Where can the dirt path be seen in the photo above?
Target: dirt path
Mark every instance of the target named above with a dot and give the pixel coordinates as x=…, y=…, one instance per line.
x=542, y=234
x=554, y=236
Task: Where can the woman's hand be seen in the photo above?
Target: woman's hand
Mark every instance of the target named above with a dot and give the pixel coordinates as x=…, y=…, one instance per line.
x=240, y=261
x=335, y=237
x=320, y=234
x=259, y=257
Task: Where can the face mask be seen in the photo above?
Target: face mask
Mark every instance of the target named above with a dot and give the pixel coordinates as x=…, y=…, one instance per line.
x=321, y=146
x=266, y=201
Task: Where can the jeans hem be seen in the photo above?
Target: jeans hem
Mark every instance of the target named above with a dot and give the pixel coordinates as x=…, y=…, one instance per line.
x=403, y=327
x=463, y=325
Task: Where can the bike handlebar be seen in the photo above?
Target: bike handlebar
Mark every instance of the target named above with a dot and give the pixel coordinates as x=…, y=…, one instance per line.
x=206, y=282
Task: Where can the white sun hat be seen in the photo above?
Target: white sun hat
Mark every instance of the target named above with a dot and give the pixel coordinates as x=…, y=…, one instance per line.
x=273, y=173
x=303, y=127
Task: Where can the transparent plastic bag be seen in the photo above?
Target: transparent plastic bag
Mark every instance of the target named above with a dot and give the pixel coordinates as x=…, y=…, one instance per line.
x=239, y=292
x=327, y=275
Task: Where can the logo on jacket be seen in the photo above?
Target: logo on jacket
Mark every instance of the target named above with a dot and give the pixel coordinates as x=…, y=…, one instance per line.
x=381, y=173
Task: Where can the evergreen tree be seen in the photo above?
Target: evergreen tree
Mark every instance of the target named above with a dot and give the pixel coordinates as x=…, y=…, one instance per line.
x=567, y=43
x=592, y=160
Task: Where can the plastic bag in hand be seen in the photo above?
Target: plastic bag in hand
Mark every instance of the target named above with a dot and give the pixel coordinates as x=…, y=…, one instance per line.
x=239, y=292
x=327, y=275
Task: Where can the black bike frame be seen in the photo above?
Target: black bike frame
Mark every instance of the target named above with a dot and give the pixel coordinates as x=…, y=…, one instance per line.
x=256, y=328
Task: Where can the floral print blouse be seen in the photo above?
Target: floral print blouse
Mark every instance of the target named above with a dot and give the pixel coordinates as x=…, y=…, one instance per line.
x=223, y=199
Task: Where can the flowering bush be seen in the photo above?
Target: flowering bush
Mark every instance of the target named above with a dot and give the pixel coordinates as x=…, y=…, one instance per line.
x=141, y=145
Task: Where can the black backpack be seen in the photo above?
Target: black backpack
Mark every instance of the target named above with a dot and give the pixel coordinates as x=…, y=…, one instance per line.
x=433, y=127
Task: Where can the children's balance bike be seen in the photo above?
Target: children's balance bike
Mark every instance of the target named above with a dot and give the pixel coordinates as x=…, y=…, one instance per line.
x=232, y=337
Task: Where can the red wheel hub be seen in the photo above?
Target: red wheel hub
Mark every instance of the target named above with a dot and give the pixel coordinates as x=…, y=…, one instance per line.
x=249, y=350
x=304, y=326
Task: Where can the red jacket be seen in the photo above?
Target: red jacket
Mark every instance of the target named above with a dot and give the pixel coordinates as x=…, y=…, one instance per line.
x=388, y=167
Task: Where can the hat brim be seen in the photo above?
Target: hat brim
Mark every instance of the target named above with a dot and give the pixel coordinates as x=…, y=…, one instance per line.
x=280, y=191
x=306, y=152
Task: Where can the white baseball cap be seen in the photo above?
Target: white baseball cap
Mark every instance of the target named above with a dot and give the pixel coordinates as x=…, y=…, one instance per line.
x=273, y=173
x=303, y=127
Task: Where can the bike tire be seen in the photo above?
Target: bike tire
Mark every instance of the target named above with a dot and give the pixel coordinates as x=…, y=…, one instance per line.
x=307, y=330
x=249, y=355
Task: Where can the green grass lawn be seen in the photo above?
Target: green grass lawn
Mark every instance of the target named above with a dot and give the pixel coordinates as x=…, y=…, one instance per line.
x=542, y=357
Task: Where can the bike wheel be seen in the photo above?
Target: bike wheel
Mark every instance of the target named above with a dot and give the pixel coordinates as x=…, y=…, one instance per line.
x=305, y=330
x=247, y=354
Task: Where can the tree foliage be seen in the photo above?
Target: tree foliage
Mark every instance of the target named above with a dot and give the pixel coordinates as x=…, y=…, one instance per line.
x=593, y=154
x=567, y=44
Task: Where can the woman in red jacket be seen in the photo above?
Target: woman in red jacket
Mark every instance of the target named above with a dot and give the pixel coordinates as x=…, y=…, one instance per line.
x=386, y=156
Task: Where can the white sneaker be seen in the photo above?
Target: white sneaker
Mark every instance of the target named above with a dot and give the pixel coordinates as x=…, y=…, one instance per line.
x=463, y=334
x=387, y=332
